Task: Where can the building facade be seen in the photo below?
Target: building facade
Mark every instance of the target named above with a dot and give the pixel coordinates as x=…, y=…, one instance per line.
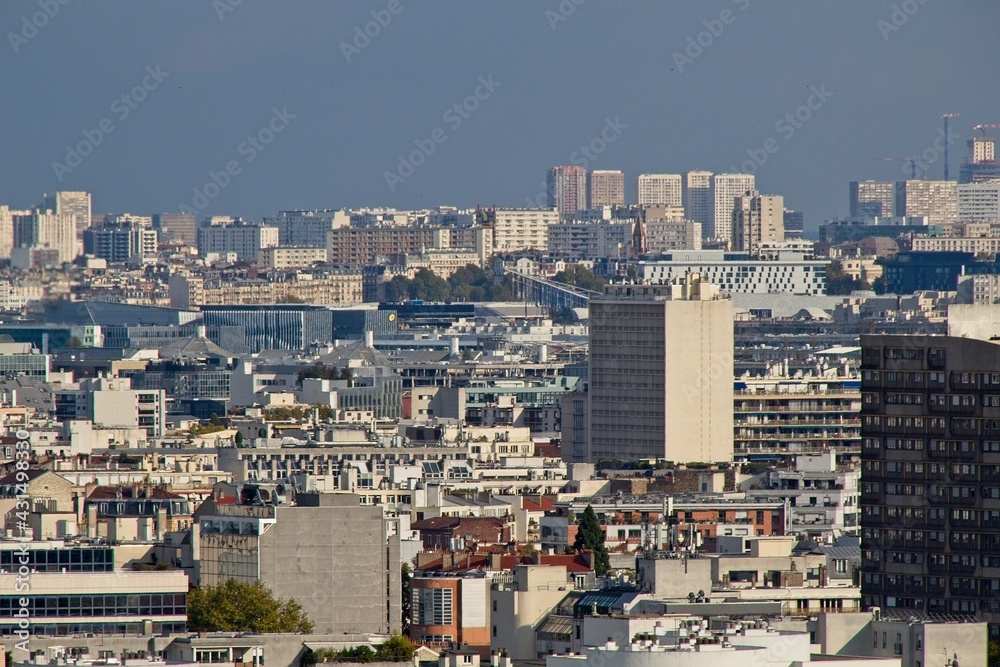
x=656, y=391
x=516, y=229
x=660, y=190
x=937, y=200
x=246, y=240
x=73, y=203
x=605, y=188
x=177, y=227
x=46, y=229
x=725, y=189
x=757, y=219
x=978, y=201
x=696, y=198
x=872, y=199
x=738, y=273
x=339, y=560
x=567, y=190
x=930, y=453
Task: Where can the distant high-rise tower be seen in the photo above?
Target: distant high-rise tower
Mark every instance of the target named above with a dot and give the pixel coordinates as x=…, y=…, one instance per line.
x=981, y=163
x=6, y=232
x=872, y=199
x=70, y=202
x=757, y=219
x=938, y=200
x=660, y=190
x=178, y=227
x=567, y=189
x=795, y=225
x=607, y=188
x=696, y=191
x=661, y=373
x=725, y=189
x=46, y=230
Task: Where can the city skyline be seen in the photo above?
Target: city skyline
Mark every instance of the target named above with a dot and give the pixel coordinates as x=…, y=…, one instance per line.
x=287, y=121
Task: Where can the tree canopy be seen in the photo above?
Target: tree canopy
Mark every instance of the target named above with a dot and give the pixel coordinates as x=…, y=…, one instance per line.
x=235, y=606
x=395, y=649
x=581, y=277
x=590, y=535
x=470, y=283
x=838, y=282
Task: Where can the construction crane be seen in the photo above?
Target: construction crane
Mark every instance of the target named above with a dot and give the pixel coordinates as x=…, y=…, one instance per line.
x=914, y=160
x=947, y=139
x=983, y=128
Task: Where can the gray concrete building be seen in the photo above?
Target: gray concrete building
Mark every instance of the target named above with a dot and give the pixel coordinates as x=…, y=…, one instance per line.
x=661, y=372
x=339, y=560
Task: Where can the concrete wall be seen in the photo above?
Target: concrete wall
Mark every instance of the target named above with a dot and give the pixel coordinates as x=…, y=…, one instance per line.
x=844, y=634
x=337, y=563
x=674, y=578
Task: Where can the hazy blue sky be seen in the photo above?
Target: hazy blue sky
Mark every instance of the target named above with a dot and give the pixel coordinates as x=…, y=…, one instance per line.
x=222, y=73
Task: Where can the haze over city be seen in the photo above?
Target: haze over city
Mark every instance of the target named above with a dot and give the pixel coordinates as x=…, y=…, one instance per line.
x=562, y=70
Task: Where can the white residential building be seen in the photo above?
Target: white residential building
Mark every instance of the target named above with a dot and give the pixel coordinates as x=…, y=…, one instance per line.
x=246, y=240
x=517, y=229
x=111, y=402
x=979, y=201
x=6, y=231
x=822, y=497
x=307, y=228
x=725, y=189
x=696, y=191
x=660, y=190
x=738, y=273
x=46, y=229
x=589, y=240
x=70, y=202
x=289, y=257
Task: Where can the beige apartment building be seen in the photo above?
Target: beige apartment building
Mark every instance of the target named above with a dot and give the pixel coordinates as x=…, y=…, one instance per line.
x=937, y=200
x=517, y=229
x=607, y=188
x=660, y=190
x=667, y=235
x=725, y=189
x=757, y=219
x=661, y=372
x=187, y=291
x=283, y=257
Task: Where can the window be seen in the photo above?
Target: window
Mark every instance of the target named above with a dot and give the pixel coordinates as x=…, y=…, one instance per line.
x=432, y=606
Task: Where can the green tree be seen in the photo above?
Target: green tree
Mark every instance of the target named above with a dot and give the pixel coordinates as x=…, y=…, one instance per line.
x=405, y=581
x=581, y=277
x=238, y=439
x=590, y=535
x=993, y=654
x=838, y=282
x=361, y=653
x=320, y=372
x=235, y=606
x=396, y=648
